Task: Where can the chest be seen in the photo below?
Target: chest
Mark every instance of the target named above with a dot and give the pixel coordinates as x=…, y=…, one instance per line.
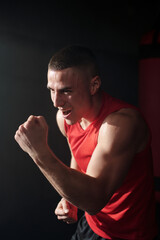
x=82, y=145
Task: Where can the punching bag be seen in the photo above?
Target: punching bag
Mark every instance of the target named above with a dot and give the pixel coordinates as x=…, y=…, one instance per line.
x=149, y=94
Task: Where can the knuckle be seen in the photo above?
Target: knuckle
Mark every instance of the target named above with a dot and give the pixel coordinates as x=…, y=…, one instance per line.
x=16, y=136
x=30, y=120
x=30, y=117
x=20, y=128
x=40, y=117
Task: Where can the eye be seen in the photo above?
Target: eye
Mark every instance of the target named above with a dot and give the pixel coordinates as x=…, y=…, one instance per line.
x=67, y=91
x=50, y=89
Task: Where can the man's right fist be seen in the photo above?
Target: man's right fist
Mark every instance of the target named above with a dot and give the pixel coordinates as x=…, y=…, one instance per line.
x=66, y=212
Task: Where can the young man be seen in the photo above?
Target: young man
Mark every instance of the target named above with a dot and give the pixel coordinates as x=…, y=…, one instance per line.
x=110, y=177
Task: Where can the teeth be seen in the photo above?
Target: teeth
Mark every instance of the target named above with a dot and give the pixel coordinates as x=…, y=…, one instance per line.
x=66, y=112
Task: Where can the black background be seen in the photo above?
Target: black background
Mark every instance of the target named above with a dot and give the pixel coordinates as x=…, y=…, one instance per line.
x=29, y=35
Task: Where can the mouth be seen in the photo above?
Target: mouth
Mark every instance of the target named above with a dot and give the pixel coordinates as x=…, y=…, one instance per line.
x=65, y=113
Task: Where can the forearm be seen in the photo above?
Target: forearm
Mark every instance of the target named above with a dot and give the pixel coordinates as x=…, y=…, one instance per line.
x=79, y=189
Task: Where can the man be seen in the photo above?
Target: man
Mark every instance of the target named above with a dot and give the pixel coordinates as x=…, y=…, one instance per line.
x=110, y=177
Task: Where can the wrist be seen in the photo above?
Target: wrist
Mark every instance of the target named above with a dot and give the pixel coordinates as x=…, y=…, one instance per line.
x=41, y=156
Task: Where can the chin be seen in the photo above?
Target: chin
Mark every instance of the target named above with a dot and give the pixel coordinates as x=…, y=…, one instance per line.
x=70, y=122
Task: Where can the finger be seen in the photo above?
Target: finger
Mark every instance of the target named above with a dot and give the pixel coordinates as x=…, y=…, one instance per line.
x=31, y=121
x=31, y=118
x=60, y=212
x=63, y=217
x=42, y=121
x=59, y=209
x=19, y=132
x=34, y=119
x=17, y=135
x=65, y=205
x=59, y=206
x=28, y=122
x=22, y=129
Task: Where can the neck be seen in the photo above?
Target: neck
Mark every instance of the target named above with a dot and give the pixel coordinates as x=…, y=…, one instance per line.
x=93, y=112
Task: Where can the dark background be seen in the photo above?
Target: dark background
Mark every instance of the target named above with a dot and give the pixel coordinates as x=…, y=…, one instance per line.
x=29, y=35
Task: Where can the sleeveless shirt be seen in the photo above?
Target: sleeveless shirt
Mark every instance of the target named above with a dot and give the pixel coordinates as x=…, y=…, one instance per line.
x=130, y=212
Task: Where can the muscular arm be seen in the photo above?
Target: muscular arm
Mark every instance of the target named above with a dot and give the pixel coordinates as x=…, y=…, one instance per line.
x=118, y=142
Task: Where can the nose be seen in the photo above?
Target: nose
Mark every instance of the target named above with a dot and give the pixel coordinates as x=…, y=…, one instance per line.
x=57, y=100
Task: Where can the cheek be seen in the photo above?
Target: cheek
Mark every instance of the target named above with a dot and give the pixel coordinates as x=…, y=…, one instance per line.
x=69, y=98
x=52, y=97
x=84, y=98
x=81, y=102
x=79, y=99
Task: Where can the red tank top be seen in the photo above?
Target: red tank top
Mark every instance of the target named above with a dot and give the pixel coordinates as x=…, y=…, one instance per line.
x=130, y=213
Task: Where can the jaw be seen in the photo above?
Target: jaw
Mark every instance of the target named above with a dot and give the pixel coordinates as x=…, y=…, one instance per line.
x=70, y=122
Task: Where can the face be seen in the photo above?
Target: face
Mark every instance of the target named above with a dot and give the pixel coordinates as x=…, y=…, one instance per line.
x=70, y=93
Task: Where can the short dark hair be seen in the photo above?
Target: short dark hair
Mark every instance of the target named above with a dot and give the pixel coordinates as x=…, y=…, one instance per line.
x=74, y=56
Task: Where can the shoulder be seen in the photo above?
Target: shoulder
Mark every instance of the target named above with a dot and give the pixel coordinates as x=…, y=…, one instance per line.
x=125, y=117
x=60, y=122
x=127, y=127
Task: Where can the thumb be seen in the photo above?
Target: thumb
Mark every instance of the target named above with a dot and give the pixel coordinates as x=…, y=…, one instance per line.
x=65, y=205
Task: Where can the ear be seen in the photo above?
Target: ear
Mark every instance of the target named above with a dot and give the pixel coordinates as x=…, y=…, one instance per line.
x=95, y=84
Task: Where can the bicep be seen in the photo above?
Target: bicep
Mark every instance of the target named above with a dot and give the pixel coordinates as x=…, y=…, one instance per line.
x=112, y=158
x=109, y=169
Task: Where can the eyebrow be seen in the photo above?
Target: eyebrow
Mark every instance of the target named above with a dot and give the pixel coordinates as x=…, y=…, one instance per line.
x=61, y=89
x=49, y=87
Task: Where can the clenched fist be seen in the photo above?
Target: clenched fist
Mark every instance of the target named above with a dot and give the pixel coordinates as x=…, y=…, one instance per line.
x=66, y=212
x=32, y=136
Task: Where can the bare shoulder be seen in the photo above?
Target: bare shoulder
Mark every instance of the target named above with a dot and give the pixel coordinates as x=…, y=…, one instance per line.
x=60, y=122
x=127, y=125
x=128, y=116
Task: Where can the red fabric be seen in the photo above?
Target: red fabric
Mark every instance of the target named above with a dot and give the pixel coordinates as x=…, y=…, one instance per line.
x=130, y=213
